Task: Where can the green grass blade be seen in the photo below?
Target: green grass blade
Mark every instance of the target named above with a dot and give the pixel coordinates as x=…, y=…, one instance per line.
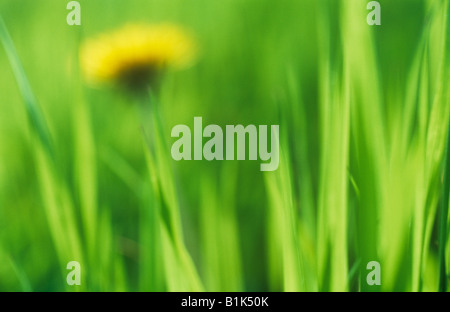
x=33, y=110
x=443, y=279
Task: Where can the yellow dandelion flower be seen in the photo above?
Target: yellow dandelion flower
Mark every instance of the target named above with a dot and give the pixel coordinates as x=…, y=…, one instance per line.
x=135, y=55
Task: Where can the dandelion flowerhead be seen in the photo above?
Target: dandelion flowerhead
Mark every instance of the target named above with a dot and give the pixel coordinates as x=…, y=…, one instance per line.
x=136, y=55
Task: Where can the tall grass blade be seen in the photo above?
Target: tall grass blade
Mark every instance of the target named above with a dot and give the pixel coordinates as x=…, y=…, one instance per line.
x=33, y=110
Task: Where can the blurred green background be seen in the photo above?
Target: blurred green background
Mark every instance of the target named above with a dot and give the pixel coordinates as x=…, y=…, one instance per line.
x=363, y=114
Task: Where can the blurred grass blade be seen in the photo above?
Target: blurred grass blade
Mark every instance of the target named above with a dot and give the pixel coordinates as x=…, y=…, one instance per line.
x=444, y=218
x=161, y=176
x=33, y=110
x=58, y=202
x=21, y=276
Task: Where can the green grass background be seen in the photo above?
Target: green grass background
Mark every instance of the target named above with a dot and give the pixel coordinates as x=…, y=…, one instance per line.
x=363, y=114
